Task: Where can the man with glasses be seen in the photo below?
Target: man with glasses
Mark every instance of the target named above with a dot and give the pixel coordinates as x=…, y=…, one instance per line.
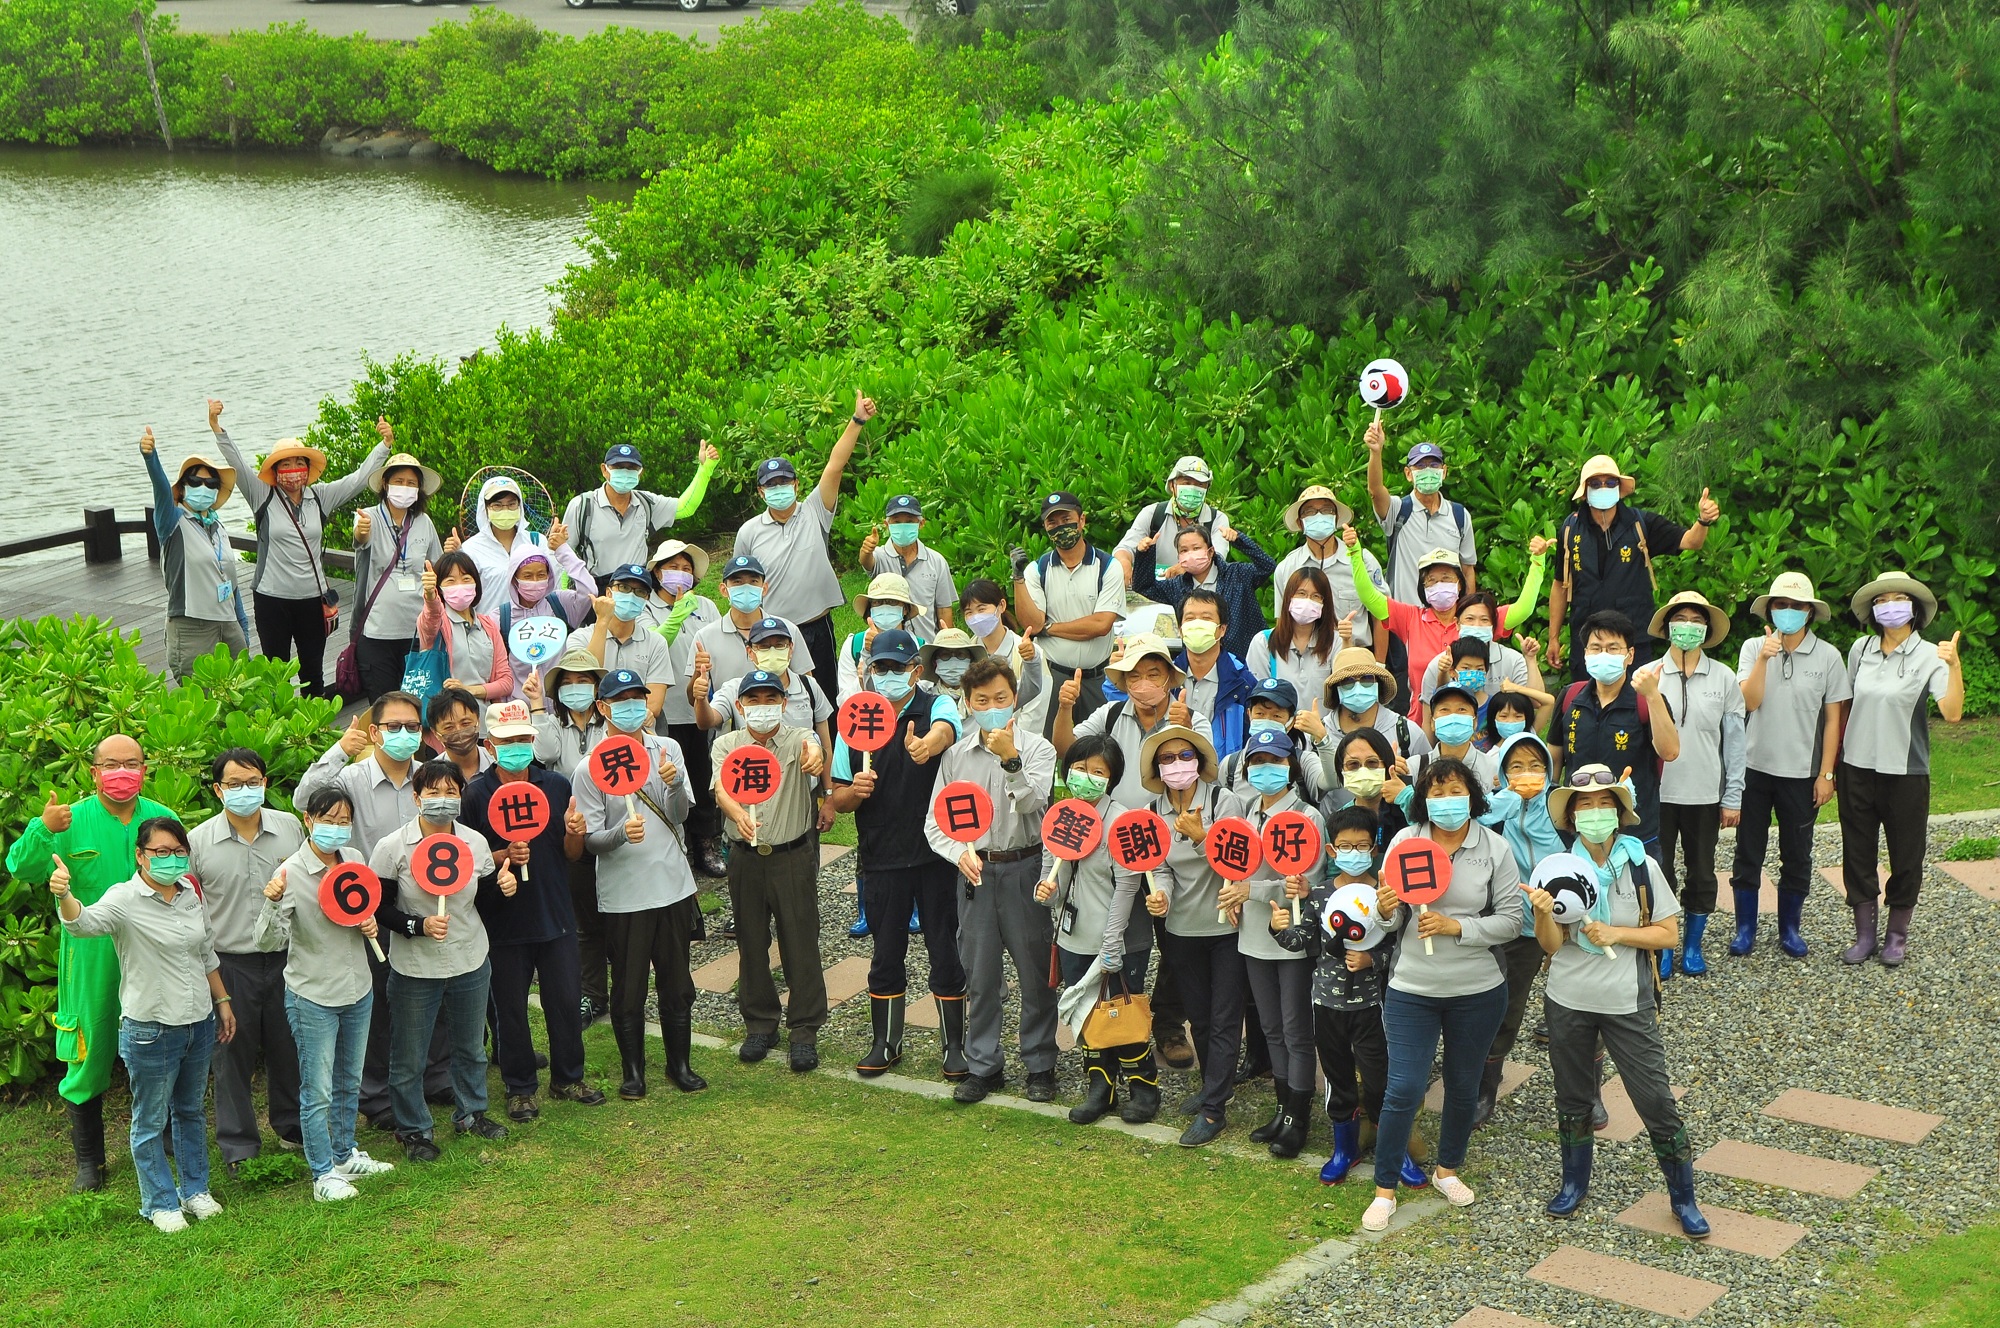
x=1072, y=598
x=96, y=838
x=1607, y=558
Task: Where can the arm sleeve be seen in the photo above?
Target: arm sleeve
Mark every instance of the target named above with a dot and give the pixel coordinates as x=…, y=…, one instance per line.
x=1031, y=580
x=1027, y=787
x=1663, y=534
x=1111, y=592
x=166, y=512
x=28, y=856
x=322, y=773
x=97, y=919
x=1504, y=893
x=429, y=619
x=1371, y=598
x=1124, y=889
x=338, y=493
x=255, y=492
x=574, y=567
x=499, y=679
x=1734, y=754
x=1133, y=534
x=850, y=672
x=1523, y=608
x=690, y=500
x=680, y=797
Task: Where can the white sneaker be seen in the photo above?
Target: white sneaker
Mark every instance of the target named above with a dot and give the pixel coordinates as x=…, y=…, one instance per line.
x=201, y=1207
x=331, y=1187
x=1453, y=1191
x=359, y=1163
x=169, y=1220
x=1378, y=1214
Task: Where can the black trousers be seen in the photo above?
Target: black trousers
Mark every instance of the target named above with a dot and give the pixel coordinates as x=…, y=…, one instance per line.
x=256, y=986
x=1695, y=829
x=375, y=1066
x=515, y=968
x=704, y=820
x=1087, y=701
x=826, y=658
x=652, y=941
x=1639, y=1052
x=1871, y=806
x=1212, y=982
x=381, y=665
x=283, y=624
x=1351, y=1043
x=1522, y=958
x=591, y=959
x=890, y=893
x=1792, y=802
x=1169, y=1010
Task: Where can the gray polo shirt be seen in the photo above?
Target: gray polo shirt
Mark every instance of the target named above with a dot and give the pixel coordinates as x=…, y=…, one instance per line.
x=1165, y=554
x=1019, y=799
x=1416, y=533
x=805, y=704
x=559, y=743
x=1783, y=734
x=1618, y=983
x=199, y=563
x=290, y=543
x=1503, y=662
x=654, y=872
x=464, y=946
x=1484, y=876
x=1093, y=907
x=233, y=874
x=1254, y=937
x=393, y=615
x=325, y=963
x=381, y=803
x=1191, y=884
x=1889, y=727
x=799, y=580
x=1340, y=577
x=1707, y=706
x=787, y=814
x=930, y=581
x=644, y=652
x=604, y=539
x=729, y=650
x=165, y=952
x=1096, y=586
x=1120, y=720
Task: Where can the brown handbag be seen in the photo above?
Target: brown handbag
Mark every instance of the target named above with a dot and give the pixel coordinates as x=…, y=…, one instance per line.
x=1121, y=1020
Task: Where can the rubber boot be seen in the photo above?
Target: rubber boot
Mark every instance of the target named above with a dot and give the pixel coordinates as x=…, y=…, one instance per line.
x=860, y=927
x=1411, y=1174
x=1099, y=1096
x=630, y=1035
x=678, y=1031
x=1489, y=1091
x=86, y=1138
x=1791, y=908
x=1693, y=962
x=951, y=1028
x=1666, y=963
x=1599, y=1117
x=1863, y=949
x=916, y=923
x=1746, y=923
x=1346, y=1148
x=886, y=1015
x=1142, y=1085
x=1680, y=1195
x=1579, y=1146
x=1895, y=946
x=1294, y=1119
x=1263, y=1134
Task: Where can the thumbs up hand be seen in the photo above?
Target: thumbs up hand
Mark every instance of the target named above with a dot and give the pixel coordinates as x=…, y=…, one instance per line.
x=451, y=545
x=573, y=822
x=274, y=889
x=1178, y=712
x=59, y=878
x=363, y=523
x=430, y=583
x=383, y=431
x=1709, y=510
x=55, y=815
x=1948, y=652
x=1309, y=722
x=354, y=739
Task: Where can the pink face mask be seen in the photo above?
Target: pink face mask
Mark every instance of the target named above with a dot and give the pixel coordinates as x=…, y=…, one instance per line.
x=1182, y=773
x=531, y=592
x=1148, y=694
x=460, y=596
x=1196, y=562
x=120, y=785
x=1304, y=610
x=1440, y=596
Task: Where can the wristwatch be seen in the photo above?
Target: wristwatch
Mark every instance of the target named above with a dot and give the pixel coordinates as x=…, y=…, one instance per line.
x=1825, y=775
x=1012, y=765
x=1704, y=521
x=858, y=420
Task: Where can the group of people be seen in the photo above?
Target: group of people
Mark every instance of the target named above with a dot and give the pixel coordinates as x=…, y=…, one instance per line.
x=1387, y=698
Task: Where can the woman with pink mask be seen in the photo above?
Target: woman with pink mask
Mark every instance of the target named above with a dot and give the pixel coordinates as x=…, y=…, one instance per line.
x=472, y=639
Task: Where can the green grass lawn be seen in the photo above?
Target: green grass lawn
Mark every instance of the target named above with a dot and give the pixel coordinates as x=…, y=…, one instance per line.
x=1950, y=1282
x=769, y=1199
x=1965, y=768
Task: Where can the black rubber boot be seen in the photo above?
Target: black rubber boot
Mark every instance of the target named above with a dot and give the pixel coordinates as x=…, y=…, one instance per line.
x=630, y=1035
x=1294, y=1119
x=1142, y=1085
x=679, y=1034
x=1579, y=1150
x=1263, y=1134
x=1489, y=1091
x=86, y=1137
x=1098, y=1095
x=951, y=1027
x=886, y=1015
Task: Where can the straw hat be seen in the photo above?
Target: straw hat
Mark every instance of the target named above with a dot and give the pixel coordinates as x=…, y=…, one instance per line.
x=674, y=548
x=286, y=450
x=1356, y=662
x=1792, y=585
x=887, y=588
x=1863, y=602
x=430, y=484
x=1316, y=493
x=1149, y=773
x=1141, y=647
x=1564, y=794
x=1718, y=621
x=1603, y=465
x=228, y=474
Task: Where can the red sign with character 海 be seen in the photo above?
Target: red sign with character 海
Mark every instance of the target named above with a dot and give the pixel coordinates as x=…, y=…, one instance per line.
x=751, y=774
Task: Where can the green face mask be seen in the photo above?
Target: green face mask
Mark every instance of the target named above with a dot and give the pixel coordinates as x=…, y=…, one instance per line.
x=1084, y=785
x=1687, y=635
x=1428, y=480
x=1189, y=498
x=1597, y=824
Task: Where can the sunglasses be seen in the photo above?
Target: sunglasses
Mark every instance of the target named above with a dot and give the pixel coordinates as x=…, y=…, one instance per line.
x=1586, y=778
x=198, y=483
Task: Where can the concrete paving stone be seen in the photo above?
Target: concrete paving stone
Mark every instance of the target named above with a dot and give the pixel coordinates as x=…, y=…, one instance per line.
x=1787, y=1170
x=1628, y=1283
x=1746, y=1233
x=1854, y=1116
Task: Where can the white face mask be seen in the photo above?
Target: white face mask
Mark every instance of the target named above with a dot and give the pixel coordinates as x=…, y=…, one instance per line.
x=763, y=718
x=401, y=495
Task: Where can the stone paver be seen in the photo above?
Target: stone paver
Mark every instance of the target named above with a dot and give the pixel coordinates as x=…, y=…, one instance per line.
x=1512, y=1075
x=920, y=1012
x=1625, y=1124
x=1787, y=1170
x=1852, y=1115
x=1482, y=1316
x=832, y=853
x=848, y=979
x=1981, y=877
x=718, y=975
x=1628, y=1283
x=1746, y=1233
x=1725, y=900
x=1834, y=877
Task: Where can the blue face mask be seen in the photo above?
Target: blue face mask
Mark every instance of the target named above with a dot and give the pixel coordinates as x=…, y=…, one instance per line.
x=902, y=534
x=1270, y=777
x=995, y=719
x=198, y=497
x=168, y=869
x=780, y=496
x=514, y=756
x=895, y=686
x=1448, y=813
x=1603, y=499
x=628, y=716
x=1357, y=698
x=331, y=838
x=1472, y=680
x=1354, y=861
x=1452, y=730
x=576, y=695
x=888, y=617
x=627, y=605
x=401, y=745
x=1507, y=728
x=1266, y=725
x=1480, y=632
x=950, y=671
x=624, y=479
x=1789, y=621
x=1320, y=528
x=746, y=599
x=1605, y=668
x=243, y=801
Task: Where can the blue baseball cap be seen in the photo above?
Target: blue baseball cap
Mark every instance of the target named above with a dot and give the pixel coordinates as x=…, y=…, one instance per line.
x=1453, y=689
x=622, y=454
x=743, y=564
x=759, y=681
x=617, y=681
x=894, y=644
x=1277, y=691
x=630, y=572
x=766, y=628
x=1268, y=742
x=903, y=504
x=1423, y=452
x=773, y=469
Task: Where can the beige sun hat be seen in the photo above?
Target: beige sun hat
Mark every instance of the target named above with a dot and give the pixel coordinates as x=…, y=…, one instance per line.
x=1603, y=465
x=1565, y=793
x=1863, y=602
x=578, y=659
x=1792, y=585
x=286, y=450
x=1357, y=662
x=1204, y=750
x=227, y=474
x=1138, y=648
x=673, y=548
x=429, y=484
x=1718, y=621
x=1316, y=493
x=888, y=588
x=951, y=638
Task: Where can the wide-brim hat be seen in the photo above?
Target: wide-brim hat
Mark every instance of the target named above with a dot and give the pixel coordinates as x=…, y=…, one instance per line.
x=227, y=474
x=1143, y=647
x=674, y=548
x=578, y=659
x=1204, y=749
x=1718, y=621
x=1313, y=494
x=286, y=450
x=1792, y=585
x=888, y=588
x=1564, y=794
x=951, y=638
x=1603, y=465
x=1863, y=602
x=429, y=484
x=1355, y=662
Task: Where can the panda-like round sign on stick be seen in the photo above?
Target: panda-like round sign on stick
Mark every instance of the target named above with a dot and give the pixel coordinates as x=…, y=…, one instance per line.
x=1351, y=915
x=1385, y=385
x=1571, y=881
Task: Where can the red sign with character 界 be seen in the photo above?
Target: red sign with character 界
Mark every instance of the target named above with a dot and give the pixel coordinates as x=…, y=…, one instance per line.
x=964, y=811
x=751, y=774
x=1071, y=829
x=620, y=765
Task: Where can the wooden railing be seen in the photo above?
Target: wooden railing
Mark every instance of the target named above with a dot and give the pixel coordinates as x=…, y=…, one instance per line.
x=102, y=537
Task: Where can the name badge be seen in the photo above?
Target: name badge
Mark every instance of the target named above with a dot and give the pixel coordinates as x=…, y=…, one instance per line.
x=222, y=593
x=404, y=581
x=1068, y=919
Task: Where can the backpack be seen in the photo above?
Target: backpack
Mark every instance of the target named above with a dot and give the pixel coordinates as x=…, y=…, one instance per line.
x=1091, y=555
x=1161, y=512
x=1407, y=508
x=1642, y=882
x=581, y=540
x=507, y=619
x=1575, y=690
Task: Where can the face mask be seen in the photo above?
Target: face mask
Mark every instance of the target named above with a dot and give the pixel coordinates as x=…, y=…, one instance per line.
x=950, y=671
x=746, y=599
x=1196, y=562
x=503, y=518
x=243, y=801
x=1354, y=861
x=895, y=686
x=627, y=605
x=773, y=659
x=1507, y=728
x=401, y=495
x=331, y=838
x=514, y=756
x=1084, y=785
x=401, y=745
x=999, y=717
x=628, y=716
x=676, y=582
x=458, y=744
x=1476, y=633
x=1200, y=636
x=1687, y=635
x=1440, y=595
x=780, y=496
x=1270, y=777
x=763, y=718
x=1788, y=621
x=1364, y=782
x=531, y=592
x=1528, y=785
x=1597, y=824
x=1454, y=730
x=460, y=596
x=888, y=617
x=168, y=869
x=1602, y=499
x=624, y=479
x=1320, y=528
x=982, y=625
x=1472, y=680
x=1180, y=774
x=1428, y=480
x=120, y=785
x=1605, y=668
x=439, y=810
x=576, y=695
x=903, y=534
x=1189, y=498
x=1304, y=610
x=1266, y=725
x=1358, y=698
x=1448, y=813
x=1895, y=613
x=198, y=498
x=1066, y=537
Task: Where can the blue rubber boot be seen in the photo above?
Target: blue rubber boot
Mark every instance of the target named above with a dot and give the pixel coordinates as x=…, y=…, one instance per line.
x=1746, y=923
x=860, y=927
x=1666, y=963
x=1693, y=962
x=1578, y=1151
x=1680, y=1195
x=1413, y=1175
x=916, y=926
x=1346, y=1148
x=1791, y=908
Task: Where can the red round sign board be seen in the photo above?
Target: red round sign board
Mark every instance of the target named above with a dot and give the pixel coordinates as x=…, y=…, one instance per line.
x=350, y=892
x=751, y=774
x=1072, y=829
x=441, y=863
x=867, y=721
x=1291, y=843
x=620, y=765
x=963, y=811
x=1140, y=839
x=1232, y=848
x=1419, y=870
x=518, y=812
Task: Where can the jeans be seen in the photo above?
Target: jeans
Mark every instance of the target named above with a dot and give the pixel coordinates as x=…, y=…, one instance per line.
x=414, y=1003
x=168, y=1066
x=1413, y=1025
x=332, y=1040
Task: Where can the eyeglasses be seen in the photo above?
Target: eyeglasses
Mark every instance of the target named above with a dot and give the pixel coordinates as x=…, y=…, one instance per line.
x=138, y=763
x=396, y=727
x=171, y=850
x=887, y=667
x=1585, y=778
x=231, y=785
x=1603, y=482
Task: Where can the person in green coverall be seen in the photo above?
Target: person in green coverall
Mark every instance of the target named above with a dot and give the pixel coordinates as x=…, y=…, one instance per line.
x=95, y=839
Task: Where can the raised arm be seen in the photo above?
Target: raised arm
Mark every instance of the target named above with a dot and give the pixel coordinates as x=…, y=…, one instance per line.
x=255, y=491
x=166, y=512
x=706, y=458
x=1522, y=609
x=337, y=493
x=1378, y=491
x=836, y=460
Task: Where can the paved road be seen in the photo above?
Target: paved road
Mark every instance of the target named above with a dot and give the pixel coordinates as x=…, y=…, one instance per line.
x=407, y=22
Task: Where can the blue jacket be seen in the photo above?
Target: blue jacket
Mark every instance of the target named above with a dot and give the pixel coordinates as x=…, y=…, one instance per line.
x=1233, y=684
x=1236, y=584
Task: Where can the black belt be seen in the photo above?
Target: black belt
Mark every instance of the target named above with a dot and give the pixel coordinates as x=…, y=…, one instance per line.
x=766, y=850
x=1009, y=854
x=1064, y=671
